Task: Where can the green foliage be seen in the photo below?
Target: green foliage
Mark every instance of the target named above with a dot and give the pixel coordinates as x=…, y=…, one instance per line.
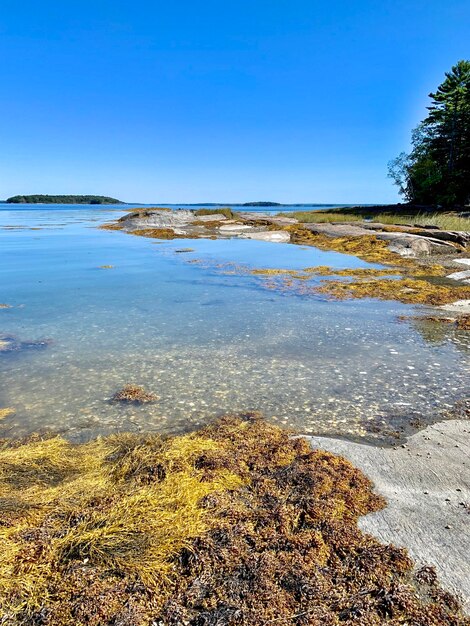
x=262, y=203
x=229, y=214
x=46, y=199
x=437, y=171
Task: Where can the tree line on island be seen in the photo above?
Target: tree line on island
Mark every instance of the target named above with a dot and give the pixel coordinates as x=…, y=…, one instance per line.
x=46, y=199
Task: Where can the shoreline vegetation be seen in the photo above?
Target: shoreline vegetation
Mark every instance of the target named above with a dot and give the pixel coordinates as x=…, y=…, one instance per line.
x=394, y=215
x=47, y=199
x=236, y=523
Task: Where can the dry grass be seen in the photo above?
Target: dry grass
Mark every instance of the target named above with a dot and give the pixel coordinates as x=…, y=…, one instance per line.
x=133, y=394
x=320, y=217
x=236, y=524
x=445, y=221
x=144, y=211
x=154, y=208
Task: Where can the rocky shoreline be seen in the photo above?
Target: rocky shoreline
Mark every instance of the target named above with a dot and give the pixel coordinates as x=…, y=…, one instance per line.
x=440, y=258
x=407, y=241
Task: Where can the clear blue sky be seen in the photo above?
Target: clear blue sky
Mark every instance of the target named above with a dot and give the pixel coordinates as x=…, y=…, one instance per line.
x=191, y=101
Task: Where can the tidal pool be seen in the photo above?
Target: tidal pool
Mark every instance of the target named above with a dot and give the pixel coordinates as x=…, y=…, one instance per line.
x=205, y=340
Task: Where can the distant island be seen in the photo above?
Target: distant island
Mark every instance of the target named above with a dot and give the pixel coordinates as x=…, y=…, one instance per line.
x=45, y=199
x=261, y=204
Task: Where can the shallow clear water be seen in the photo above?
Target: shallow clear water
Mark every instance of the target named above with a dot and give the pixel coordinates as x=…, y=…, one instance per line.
x=206, y=342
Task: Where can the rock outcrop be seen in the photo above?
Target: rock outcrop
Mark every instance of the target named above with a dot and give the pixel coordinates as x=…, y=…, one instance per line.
x=402, y=242
x=427, y=488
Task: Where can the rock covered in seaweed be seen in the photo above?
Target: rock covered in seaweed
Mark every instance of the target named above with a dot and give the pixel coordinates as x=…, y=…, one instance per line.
x=133, y=394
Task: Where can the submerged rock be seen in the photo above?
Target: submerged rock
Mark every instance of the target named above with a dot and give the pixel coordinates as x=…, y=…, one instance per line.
x=9, y=343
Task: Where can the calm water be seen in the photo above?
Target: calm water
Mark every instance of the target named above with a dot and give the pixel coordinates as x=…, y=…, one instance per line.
x=205, y=342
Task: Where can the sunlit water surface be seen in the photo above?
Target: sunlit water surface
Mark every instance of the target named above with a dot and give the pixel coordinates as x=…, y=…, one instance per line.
x=206, y=342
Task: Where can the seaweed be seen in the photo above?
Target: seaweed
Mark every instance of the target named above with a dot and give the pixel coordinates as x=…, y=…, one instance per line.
x=239, y=523
x=110, y=226
x=5, y=412
x=412, y=285
x=407, y=290
x=365, y=247
x=156, y=233
x=463, y=322
x=83, y=531
x=133, y=394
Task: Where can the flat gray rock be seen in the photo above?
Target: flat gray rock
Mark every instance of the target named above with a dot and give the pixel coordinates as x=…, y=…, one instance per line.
x=278, y=220
x=462, y=238
x=338, y=230
x=234, y=228
x=213, y=217
x=463, y=276
x=459, y=306
x=154, y=218
x=427, y=485
x=276, y=236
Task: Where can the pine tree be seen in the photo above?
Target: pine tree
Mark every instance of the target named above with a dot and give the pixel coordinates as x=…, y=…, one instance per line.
x=438, y=169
